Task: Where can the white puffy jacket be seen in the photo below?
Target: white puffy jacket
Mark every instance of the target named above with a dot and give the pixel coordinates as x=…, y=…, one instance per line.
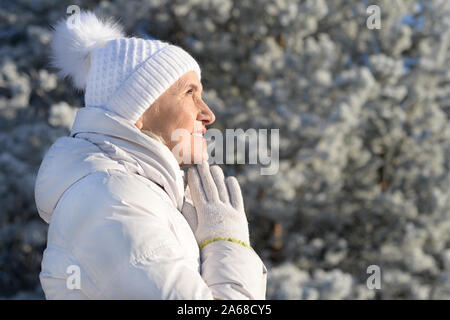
x=112, y=197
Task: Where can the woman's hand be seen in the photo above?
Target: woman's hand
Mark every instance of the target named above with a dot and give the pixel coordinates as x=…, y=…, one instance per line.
x=218, y=206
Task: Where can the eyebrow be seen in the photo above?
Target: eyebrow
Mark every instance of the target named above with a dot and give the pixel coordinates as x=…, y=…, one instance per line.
x=193, y=86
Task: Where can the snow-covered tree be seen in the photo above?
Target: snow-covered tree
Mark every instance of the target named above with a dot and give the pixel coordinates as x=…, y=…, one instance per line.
x=363, y=115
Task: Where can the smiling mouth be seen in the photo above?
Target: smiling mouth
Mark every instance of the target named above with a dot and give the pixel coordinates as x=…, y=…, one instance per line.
x=199, y=133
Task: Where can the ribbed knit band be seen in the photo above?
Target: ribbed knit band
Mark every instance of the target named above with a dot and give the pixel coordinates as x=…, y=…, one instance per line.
x=151, y=79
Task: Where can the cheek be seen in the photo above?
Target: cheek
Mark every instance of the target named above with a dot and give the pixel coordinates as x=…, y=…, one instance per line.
x=175, y=116
x=181, y=125
x=186, y=118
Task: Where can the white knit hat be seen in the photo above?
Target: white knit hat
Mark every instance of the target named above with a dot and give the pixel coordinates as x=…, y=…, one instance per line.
x=123, y=75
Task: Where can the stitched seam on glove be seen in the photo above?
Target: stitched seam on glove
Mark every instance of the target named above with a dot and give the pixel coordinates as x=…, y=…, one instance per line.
x=206, y=242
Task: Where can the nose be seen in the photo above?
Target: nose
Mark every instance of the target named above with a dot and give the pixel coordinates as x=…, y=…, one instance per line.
x=206, y=116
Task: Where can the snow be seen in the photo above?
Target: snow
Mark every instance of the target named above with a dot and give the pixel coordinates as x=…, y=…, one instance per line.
x=363, y=115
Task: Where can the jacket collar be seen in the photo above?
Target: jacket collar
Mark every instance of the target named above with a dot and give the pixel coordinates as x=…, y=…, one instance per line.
x=122, y=141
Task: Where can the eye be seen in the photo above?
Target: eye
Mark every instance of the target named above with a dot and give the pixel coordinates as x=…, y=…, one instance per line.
x=189, y=91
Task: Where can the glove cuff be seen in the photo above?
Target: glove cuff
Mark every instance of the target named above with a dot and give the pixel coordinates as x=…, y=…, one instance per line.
x=206, y=242
x=226, y=229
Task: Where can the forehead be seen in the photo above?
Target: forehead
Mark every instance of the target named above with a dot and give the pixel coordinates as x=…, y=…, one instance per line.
x=189, y=79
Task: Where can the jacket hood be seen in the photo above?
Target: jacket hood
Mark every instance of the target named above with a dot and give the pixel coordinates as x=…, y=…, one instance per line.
x=101, y=140
x=67, y=161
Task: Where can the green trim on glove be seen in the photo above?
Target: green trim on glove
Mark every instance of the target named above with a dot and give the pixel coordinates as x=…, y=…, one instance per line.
x=204, y=243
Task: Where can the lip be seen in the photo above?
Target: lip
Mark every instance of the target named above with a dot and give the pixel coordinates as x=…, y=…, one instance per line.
x=203, y=131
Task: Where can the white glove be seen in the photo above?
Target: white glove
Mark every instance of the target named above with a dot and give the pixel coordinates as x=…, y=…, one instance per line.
x=219, y=207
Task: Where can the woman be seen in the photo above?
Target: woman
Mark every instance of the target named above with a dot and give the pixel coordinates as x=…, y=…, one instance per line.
x=113, y=193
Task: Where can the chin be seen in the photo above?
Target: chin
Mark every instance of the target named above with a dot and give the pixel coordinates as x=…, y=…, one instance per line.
x=198, y=151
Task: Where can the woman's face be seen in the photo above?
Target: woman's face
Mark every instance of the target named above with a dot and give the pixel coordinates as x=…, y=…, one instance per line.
x=180, y=117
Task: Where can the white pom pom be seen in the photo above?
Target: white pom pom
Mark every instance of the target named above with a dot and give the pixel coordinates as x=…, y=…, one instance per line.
x=73, y=40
